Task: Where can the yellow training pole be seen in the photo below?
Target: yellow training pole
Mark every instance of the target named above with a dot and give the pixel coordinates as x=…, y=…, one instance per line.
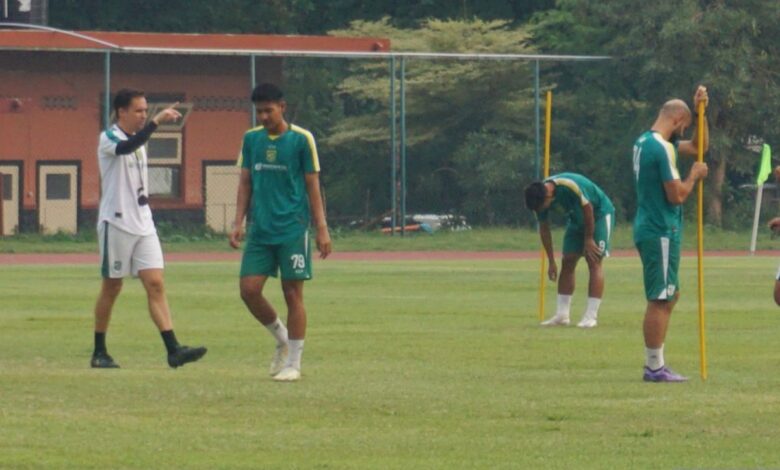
x=547, y=127
x=700, y=158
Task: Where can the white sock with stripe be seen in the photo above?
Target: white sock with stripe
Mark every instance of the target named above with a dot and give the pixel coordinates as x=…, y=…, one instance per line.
x=278, y=330
x=655, y=358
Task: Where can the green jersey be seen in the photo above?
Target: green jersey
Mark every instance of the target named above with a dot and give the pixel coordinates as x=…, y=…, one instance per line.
x=572, y=192
x=655, y=162
x=278, y=165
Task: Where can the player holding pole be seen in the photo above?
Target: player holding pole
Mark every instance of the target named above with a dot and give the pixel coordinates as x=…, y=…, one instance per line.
x=591, y=222
x=658, y=223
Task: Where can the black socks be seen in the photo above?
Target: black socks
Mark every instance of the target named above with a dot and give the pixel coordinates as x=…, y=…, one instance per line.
x=168, y=337
x=170, y=341
x=100, y=343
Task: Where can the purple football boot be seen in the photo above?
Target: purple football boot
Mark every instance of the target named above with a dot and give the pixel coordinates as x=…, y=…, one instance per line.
x=664, y=374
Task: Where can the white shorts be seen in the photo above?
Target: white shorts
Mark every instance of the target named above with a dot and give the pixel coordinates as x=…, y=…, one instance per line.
x=777, y=276
x=123, y=254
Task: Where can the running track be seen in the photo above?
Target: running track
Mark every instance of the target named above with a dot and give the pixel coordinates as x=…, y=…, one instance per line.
x=7, y=259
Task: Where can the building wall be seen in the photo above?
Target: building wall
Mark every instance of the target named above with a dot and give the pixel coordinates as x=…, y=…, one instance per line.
x=51, y=110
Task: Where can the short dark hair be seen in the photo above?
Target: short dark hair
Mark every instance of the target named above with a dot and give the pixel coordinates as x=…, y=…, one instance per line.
x=267, y=92
x=124, y=97
x=535, y=194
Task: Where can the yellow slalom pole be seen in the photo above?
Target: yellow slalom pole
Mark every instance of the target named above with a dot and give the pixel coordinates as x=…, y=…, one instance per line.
x=700, y=158
x=543, y=264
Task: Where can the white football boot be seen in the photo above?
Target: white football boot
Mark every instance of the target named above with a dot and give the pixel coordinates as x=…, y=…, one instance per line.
x=288, y=374
x=556, y=321
x=587, y=322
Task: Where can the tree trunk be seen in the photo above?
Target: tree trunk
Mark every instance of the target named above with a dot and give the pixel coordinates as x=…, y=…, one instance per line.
x=714, y=181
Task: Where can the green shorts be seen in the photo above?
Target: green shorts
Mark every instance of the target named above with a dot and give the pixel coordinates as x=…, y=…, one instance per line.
x=660, y=264
x=574, y=238
x=292, y=258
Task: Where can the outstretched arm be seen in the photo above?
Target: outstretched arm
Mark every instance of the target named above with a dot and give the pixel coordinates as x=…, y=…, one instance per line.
x=135, y=141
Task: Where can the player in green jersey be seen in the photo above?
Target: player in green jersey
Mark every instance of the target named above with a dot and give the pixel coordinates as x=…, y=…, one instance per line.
x=280, y=178
x=774, y=226
x=658, y=223
x=591, y=220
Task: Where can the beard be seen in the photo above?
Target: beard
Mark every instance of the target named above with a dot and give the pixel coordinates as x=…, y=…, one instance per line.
x=676, y=137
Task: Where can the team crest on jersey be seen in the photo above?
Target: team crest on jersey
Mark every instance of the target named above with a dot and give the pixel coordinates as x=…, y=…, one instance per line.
x=270, y=154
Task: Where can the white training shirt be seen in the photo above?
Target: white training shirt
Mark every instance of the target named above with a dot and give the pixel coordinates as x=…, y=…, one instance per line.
x=121, y=177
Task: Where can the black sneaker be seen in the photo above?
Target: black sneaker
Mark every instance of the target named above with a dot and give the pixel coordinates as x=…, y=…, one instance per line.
x=185, y=354
x=103, y=361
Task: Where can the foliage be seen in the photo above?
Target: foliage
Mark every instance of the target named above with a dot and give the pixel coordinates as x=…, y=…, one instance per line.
x=664, y=50
x=446, y=102
x=272, y=16
x=659, y=50
x=491, y=167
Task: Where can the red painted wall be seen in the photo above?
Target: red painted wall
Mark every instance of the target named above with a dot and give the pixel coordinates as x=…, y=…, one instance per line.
x=32, y=131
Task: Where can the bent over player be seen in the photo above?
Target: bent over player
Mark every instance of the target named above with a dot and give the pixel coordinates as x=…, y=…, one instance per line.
x=591, y=219
x=127, y=236
x=774, y=226
x=280, y=177
x=660, y=193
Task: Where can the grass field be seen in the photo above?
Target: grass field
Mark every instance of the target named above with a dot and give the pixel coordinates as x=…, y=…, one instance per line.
x=407, y=365
x=479, y=239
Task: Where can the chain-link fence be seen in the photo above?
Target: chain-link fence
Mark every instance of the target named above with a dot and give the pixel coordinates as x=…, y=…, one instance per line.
x=451, y=139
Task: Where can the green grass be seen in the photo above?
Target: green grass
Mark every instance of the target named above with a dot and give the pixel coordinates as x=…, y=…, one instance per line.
x=407, y=365
x=480, y=239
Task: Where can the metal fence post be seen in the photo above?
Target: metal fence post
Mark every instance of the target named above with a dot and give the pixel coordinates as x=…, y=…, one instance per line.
x=403, y=146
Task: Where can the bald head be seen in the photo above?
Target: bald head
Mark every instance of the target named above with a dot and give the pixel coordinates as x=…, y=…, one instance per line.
x=673, y=118
x=675, y=109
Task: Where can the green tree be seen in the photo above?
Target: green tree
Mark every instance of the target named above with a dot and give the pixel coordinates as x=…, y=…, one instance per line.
x=451, y=106
x=493, y=167
x=663, y=50
x=183, y=16
x=273, y=16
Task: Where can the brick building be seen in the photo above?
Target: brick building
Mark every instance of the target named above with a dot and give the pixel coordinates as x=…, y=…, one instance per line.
x=52, y=108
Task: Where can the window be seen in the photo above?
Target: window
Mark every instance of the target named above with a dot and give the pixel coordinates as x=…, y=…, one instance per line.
x=164, y=181
x=164, y=148
x=8, y=188
x=57, y=187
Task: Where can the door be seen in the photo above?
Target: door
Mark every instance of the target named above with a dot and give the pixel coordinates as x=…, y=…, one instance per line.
x=57, y=198
x=9, y=197
x=221, y=186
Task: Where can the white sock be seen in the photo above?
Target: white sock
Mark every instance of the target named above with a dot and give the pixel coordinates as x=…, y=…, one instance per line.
x=592, y=310
x=564, y=305
x=655, y=358
x=279, y=331
x=294, y=357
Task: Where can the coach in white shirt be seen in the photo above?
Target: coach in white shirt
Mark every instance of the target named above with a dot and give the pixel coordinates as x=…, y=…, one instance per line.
x=127, y=236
